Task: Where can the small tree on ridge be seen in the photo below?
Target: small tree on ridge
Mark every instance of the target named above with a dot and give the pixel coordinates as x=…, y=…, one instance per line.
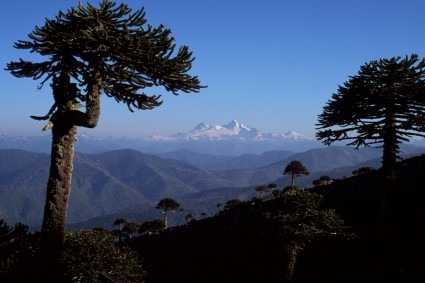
x=167, y=205
x=295, y=168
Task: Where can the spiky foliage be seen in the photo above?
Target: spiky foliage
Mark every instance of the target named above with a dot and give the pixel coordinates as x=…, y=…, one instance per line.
x=93, y=51
x=301, y=221
x=167, y=205
x=295, y=168
x=111, y=47
x=383, y=105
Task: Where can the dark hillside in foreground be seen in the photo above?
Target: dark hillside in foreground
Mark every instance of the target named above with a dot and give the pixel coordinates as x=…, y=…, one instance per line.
x=238, y=246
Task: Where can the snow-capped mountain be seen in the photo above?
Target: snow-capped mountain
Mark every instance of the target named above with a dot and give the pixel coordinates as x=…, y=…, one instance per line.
x=233, y=131
x=233, y=138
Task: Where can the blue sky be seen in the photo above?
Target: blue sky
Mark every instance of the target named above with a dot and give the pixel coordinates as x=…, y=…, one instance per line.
x=270, y=64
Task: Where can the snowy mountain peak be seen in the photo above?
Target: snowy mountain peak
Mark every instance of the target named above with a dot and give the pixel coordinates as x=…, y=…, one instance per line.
x=235, y=125
x=201, y=126
x=294, y=135
x=233, y=131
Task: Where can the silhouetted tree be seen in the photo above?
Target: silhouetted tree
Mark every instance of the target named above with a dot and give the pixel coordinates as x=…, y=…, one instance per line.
x=94, y=50
x=261, y=189
x=167, y=205
x=295, y=168
x=272, y=189
x=384, y=104
x=130, y=228
x=323, y=180
x=119, y=222
x=301, y=221
x=153, y=226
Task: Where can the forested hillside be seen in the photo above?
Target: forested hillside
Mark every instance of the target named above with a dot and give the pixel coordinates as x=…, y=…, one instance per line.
x=239, y=245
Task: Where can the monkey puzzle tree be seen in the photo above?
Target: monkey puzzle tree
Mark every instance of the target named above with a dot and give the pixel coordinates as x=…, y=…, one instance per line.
x=119, y=222
x=295, y=168
x=167, y=205
x=261, y=189
x=93, y=51
x=301, y=221
x=384, y=105
x=130, y=228
x=152, y=226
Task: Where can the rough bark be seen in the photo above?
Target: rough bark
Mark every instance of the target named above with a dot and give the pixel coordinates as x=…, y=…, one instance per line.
x=292, y=253
x=57, y=198
x=65, y=123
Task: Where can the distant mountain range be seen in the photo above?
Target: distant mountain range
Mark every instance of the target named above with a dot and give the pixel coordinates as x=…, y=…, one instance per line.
x=128, y=182
x=231, y=139
x=200, y=168
x=233, y=131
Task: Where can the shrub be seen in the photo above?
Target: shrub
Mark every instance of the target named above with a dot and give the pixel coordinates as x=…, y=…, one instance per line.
x=18, y=252
x=95, y=256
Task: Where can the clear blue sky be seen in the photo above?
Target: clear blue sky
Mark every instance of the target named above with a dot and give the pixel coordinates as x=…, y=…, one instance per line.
x=270, y=64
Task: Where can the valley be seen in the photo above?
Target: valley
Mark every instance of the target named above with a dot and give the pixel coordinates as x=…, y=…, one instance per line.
x=127, y=183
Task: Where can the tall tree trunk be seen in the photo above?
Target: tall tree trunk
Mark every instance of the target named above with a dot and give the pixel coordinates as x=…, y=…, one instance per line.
x=389, y=215
x=292, y=254
x=65, y=123
x=390, y=146
x=57, y=198
x=292, y=180
x=165, y=218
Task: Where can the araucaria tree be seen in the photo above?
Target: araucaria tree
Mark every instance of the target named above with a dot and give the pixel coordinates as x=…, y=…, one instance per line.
x=92, y=51
x=301, y=221
x=295, y=168
x=167, y=205
x=383, y=105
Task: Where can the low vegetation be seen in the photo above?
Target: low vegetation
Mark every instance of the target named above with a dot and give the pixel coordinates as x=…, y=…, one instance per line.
x=88, y=256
